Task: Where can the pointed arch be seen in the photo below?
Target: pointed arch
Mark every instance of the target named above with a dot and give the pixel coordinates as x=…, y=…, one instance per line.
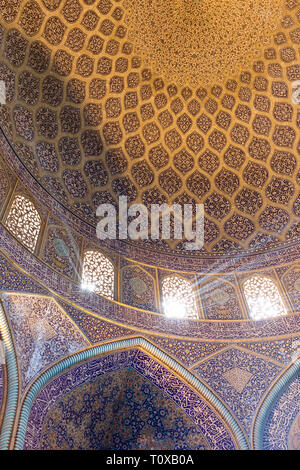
x=187, y=390
x=24, y=221
x=178, y=297
x=12, y=392
x=98, y=273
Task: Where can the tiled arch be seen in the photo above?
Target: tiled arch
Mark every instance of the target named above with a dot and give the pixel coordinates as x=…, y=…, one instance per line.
x=158, y=367
x=275, y=397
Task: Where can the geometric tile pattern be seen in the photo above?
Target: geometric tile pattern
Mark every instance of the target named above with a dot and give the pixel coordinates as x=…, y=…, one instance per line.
x=90, y=119
x=94, y=329
x=182, y=57
x=1, y=387
x=198, y=414
x=60, y=250
x=42, y=333
x=12, y=279
x=137, y=288
x=281, y=431
x=280, y=350
x=294, y=434
x=115, y=400
x=240, y=379
x=237, y=378
x=187, y=352
x=220, y=299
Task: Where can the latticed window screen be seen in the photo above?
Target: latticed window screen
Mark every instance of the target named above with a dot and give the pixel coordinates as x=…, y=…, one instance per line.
x=24, y=221
x=178, y=298
x=98, y=274
x=263, y=298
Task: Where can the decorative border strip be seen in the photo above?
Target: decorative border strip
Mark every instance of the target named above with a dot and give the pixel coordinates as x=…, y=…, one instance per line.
x=266, y=406
x=138, y=319
x=92, y=353
x=12, y=380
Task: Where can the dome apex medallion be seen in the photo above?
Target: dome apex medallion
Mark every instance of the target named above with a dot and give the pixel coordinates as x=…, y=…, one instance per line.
x=200, y=41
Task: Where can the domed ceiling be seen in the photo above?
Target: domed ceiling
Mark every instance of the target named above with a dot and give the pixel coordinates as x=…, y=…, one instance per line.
x=185, y=101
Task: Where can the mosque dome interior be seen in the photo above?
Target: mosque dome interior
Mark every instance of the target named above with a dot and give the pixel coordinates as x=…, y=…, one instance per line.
x=139, y=343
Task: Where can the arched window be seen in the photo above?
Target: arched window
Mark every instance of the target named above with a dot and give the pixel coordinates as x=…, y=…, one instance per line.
x=263, y=298
x=98, y=274
x=24, y=221
x=178, y=298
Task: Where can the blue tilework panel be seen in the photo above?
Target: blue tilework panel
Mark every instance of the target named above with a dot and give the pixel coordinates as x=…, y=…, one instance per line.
x=282, y=429
x=240, y=379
